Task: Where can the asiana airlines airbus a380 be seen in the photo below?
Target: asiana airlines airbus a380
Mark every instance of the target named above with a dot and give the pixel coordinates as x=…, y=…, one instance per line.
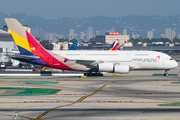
x=89, y=61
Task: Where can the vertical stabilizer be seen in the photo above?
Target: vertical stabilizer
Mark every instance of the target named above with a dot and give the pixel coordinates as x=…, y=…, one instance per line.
x=28, y=45
x=74, y=46
x=114, y=45
x=120, y=47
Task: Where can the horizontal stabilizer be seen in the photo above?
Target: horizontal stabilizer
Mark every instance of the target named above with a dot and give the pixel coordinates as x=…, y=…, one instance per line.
x=24, y=57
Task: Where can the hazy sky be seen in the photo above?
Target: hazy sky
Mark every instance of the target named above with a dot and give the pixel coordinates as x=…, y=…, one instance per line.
x=50, y=9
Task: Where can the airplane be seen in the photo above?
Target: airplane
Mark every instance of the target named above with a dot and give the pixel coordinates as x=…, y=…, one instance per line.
x=120, y=47
x=91, y=62
x=114, y=45
x=74, y=46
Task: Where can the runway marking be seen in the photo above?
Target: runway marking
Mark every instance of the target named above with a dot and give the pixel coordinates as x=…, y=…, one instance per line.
x=167, y=80
x=70, y=94
x=150, y=93
x=115, y=101
x=79, y=100
x=82, y=114
x=41, y=102
x=67, y=80
x=18, y=116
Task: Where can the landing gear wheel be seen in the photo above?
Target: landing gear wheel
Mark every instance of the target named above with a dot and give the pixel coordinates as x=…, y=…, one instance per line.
x=93, y=74
x=165, y=74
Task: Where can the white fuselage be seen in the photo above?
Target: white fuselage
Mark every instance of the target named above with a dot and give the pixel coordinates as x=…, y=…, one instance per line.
x=135, y=59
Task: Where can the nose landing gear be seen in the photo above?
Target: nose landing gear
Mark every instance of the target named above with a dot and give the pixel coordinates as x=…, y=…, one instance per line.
x=166, y=73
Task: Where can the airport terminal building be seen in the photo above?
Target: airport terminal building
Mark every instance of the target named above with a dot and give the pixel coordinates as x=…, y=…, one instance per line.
x=6, y=41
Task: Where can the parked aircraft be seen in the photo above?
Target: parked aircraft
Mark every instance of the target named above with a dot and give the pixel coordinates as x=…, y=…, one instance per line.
x=92, y=62
x=120, y=47
x=114, y=45
x=74, y=46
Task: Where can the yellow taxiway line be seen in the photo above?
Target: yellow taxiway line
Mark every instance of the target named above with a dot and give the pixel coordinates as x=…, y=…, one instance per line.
x=79, y=100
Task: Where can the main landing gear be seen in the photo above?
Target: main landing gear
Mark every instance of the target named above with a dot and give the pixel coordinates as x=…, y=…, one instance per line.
x=166, y=73
x=93, y=74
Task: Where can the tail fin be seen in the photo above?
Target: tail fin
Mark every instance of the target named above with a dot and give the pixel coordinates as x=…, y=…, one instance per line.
x=24, y=41
x=120, y=47
x=28, y=45
x=74, y=46
x=114, y=45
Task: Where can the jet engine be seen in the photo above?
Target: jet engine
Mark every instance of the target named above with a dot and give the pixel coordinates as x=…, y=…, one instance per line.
x=123, y=69
x=109, y=67
x=105, y=67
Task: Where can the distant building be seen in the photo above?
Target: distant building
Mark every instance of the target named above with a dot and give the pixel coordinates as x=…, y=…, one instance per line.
x=46, y=36
x=35, y=32
x=168, y=33
x=71, y=34
x=82, y=35
x=132, y=34
x=41, y=33
x=162, y=35
x=60, y=36
x=89, y=33
x=110, y=37
x=6, y=41
x=150, y=34
x=124, y=32
x=173, y=34
x=97, y=33
x=60, y=45
x=52, y=36
x=178, y=36
x=136, y=36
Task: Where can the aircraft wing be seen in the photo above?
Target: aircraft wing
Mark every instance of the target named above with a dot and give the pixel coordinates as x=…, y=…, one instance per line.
x=88, y=62
x=24, y=57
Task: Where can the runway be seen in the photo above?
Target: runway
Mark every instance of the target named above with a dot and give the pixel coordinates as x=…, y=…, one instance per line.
x=119, y=97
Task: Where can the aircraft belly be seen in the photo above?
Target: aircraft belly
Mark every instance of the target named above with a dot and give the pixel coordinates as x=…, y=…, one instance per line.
x=76, y=66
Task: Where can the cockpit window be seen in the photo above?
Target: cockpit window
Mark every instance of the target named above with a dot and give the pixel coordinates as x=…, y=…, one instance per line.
x=170, y=59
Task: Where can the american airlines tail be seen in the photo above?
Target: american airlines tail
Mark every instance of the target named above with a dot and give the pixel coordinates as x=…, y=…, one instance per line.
x=30, y=49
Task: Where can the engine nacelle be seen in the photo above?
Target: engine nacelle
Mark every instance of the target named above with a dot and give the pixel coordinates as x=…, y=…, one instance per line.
x=105, y=67
x=123, y=69
x=109, y=67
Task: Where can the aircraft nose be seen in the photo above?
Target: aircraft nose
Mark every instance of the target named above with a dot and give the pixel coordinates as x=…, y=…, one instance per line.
x=175, y=64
